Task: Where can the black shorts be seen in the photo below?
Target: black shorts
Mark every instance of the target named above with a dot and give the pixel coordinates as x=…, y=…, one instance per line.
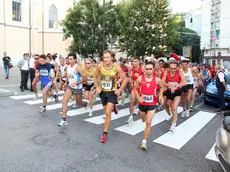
x=146, y=108
x=187, y=87
x=165, y=93
x=87, y=87
x=108, y=97
x=171, y=96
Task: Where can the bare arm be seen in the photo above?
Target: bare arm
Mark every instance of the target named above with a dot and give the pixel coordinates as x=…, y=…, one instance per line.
x=183, y=81
x=137, y=85
x=160, y=83
x=122, y=76
x=84, y=77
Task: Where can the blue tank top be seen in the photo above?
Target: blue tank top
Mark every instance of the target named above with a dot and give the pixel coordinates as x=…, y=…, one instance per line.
x=44, y=73
x=206, y=76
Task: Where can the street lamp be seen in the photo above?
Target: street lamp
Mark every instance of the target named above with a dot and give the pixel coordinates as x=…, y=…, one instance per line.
x=186, y=16
x=103, y=34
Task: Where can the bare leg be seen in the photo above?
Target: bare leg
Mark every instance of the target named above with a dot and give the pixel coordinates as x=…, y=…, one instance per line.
x=193, y=97
x=174, y=107
x=45, y=95
x=149, y=117
x=108, y=110
x=132, y=101
x=65, y=101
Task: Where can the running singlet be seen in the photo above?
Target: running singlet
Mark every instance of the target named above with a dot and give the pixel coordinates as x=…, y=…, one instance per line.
x=148, y=91
x=138, y=71
x=89, y=76
x=108, y=78
x=44, y=71
x=175, y=80
x=188, y=76
x=125, y=69
x=73, y=76
x=162, y=73
x=62, y=71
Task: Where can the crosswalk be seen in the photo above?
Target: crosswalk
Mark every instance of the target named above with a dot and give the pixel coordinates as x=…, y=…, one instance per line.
x=183, y=134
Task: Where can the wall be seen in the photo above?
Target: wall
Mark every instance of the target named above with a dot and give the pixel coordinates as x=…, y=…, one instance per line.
x=196, y=24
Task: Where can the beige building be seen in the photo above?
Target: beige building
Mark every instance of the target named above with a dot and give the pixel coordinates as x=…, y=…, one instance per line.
x=32, y=26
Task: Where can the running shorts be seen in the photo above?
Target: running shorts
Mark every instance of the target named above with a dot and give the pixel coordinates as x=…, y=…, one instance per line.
x=88, y=87
x=49, y=84
x=108, y=97
x=146, y=108
x=187, y=87
x=171, y=96
x=75, y=91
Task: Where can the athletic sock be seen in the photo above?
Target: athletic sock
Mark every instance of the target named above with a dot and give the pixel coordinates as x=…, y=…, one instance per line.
x=64, y=119
x=44, y=106
x=105, y=133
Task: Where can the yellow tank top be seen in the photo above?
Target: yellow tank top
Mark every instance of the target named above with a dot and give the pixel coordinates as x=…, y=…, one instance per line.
x=89, y=74
x=108, y=78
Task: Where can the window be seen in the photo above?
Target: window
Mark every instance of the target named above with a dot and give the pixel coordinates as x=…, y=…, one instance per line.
x=16, y=10
x=53, y=17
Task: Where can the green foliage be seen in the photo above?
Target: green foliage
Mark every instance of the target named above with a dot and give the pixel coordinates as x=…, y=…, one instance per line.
x=147, y=27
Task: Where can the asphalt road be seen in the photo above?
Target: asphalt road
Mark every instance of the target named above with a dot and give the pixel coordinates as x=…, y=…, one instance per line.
x=33, y=142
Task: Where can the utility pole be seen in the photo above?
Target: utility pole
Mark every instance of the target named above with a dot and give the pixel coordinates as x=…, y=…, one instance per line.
x=103, y=36
x=30, y=28
x=43, y=41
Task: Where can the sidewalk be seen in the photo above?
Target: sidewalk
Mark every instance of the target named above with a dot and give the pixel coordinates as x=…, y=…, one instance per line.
x=9, y=87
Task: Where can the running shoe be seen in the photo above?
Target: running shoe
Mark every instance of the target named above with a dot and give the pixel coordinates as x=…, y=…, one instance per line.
x=42, y=109
x=130, y=120
x=35, y=97
x=103, y=138
x=187, y=113
x=136, y=110
x=75, y=105
x=56, y=98
x=87, y=105
x=104, y=116
x=169, y=117
x=183, y=113
x=90, y=114
x=191, y=109
x=172, y=128
x=115, y=110
x=62, y=123
x=143, y=145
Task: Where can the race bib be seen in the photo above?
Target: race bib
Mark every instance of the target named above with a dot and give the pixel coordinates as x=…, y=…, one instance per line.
x=70, y=76
x=188, y=79
x=147, y=98
x=90, y=80
x=44, y=72
x=106, y=85
x=175, y=85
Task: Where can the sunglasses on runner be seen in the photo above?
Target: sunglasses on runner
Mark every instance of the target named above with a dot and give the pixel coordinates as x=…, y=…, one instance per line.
x=149, y=68
x=87, y=63
x=173, y=68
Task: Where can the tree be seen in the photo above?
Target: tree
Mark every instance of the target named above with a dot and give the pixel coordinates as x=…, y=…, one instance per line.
x=187, y=37
x=146, y=27
x=83, y=24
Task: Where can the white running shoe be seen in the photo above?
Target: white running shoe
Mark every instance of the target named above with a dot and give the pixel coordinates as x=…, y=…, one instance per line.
x=130, y=120
x=90, y=114
x=74, y=105
x=187, y=113
x=42, y=109
x=35, y=97
x=143, y=145
x=183, y=113
x=172, y=128
x=62, y=123
x=136, y=110
x=104, y=117
x=169, y=117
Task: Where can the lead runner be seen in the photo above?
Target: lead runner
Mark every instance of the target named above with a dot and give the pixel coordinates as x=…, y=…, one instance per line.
x=108, y=73
x=147, y=97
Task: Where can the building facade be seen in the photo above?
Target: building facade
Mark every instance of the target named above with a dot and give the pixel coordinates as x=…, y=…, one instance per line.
x=195, y=25
x=32, y=26
x=215, y=31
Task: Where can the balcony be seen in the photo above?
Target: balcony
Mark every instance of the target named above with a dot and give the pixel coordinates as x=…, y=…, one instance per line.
x=214, y=2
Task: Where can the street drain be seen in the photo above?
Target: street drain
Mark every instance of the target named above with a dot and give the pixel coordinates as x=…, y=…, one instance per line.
x=51, y=138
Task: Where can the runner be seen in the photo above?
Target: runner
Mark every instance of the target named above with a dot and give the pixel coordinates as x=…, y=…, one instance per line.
x=43, y=72
x=108, y=72
x=89, y=88
x=75, y=77
x=206, y=75
x=187, y=89
x=174, y=80
x=36, y=79
x=146, y=86
x=62, y=68
x=135, y=73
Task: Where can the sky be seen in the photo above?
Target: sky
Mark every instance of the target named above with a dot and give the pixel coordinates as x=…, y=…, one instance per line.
x=185, y=5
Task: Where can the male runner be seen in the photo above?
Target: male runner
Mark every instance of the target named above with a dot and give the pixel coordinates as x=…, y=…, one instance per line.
x=75, y=77
x=147, y=97
x=174, y=80
x=43, y=72
x=135, y=73
x=108, y=72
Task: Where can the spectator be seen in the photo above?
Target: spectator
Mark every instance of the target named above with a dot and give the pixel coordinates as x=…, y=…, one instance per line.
x=23, y=65
x=6, y=60
x=221, y=87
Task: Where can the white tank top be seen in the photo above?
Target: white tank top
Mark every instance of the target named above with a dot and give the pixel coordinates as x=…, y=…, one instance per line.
x=73, y=76
x=188, y=76
x=62, y=70
x=195, y=82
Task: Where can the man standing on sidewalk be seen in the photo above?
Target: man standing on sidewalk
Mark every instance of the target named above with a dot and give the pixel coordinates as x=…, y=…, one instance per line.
x=221, y=87
x=23, y=65
x=6, y=60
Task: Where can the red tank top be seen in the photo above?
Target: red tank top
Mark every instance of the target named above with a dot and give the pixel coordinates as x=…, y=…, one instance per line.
x=161, y=75
x=148, y=91
x=173, y=80
x=136, y=71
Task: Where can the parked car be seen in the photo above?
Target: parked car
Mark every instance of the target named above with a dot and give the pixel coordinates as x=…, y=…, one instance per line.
x=210, y=95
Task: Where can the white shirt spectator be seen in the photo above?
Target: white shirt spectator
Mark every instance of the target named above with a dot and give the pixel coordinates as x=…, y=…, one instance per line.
x=25, y=65
x=32, y=60
x=221, y=76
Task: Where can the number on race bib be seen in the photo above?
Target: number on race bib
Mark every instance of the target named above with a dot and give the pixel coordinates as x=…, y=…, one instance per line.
x=147, y=99
x=188, y=79
x=106, y=85
x=44, y=72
